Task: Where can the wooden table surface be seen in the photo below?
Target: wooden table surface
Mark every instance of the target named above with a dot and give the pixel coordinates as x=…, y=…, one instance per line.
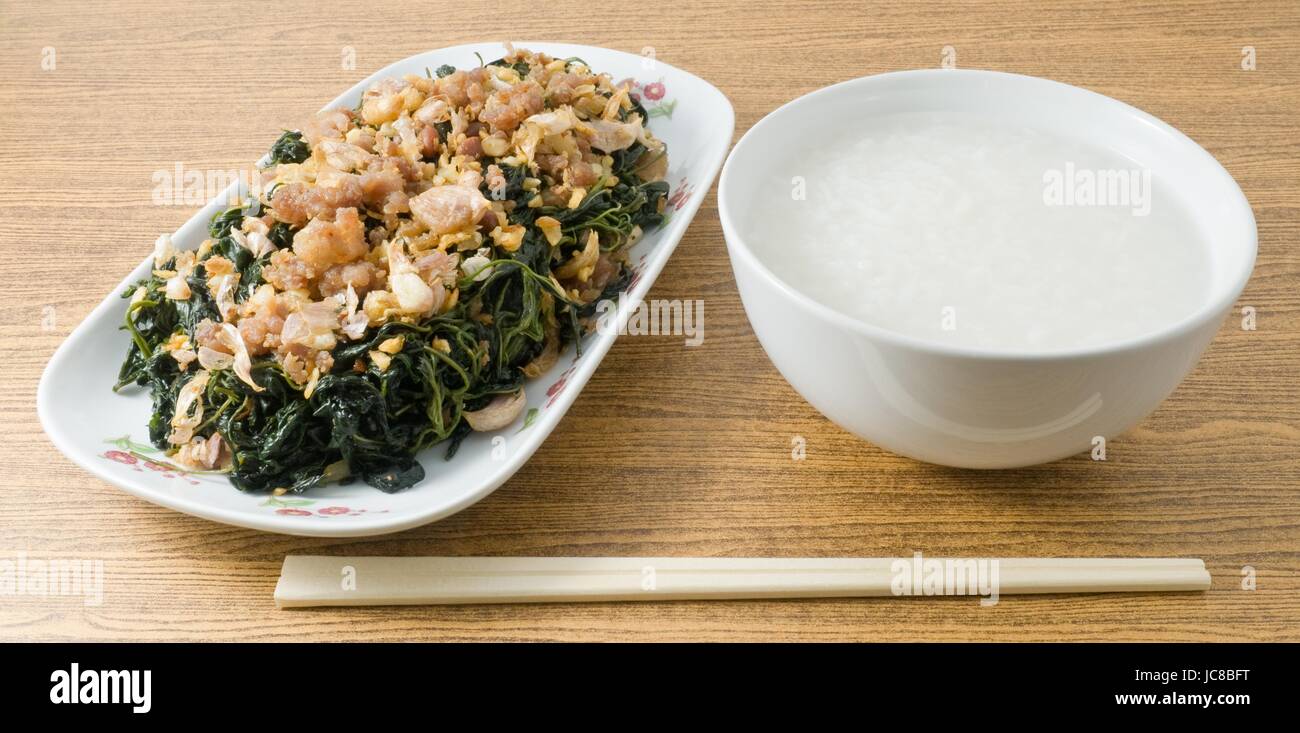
x=669, y=450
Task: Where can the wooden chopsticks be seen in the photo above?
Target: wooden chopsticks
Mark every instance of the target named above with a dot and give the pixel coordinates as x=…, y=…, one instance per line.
x=386, y=581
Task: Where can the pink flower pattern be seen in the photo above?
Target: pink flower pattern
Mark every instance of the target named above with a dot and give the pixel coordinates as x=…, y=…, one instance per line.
x=651, y=96
x=681, y=194
x=554, y=391
x=121, y=457
x=296, y=506
x=130, y=453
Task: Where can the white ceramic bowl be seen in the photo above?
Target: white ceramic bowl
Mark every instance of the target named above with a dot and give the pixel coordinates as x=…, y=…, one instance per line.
x=964, y=406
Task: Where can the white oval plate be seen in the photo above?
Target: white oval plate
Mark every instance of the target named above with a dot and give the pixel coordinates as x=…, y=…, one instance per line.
x=106, y=433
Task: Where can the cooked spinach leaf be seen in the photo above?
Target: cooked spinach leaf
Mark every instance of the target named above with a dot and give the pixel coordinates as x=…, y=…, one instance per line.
x=290, y=148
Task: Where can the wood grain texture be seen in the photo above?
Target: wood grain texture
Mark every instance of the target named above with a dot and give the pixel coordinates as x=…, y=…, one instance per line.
x=669, y=450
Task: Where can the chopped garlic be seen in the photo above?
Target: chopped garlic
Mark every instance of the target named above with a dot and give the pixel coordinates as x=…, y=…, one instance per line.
x=177, y=288
x=381, y=360
x=550, y=227
x=243, y=362
x=162, y=250
x=476, y=266
x=495, y=146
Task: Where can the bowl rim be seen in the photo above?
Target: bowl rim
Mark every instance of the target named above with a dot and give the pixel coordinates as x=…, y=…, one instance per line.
x=1215, y=307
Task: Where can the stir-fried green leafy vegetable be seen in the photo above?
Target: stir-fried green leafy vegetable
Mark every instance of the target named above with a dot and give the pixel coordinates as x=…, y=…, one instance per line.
x=365, y=419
